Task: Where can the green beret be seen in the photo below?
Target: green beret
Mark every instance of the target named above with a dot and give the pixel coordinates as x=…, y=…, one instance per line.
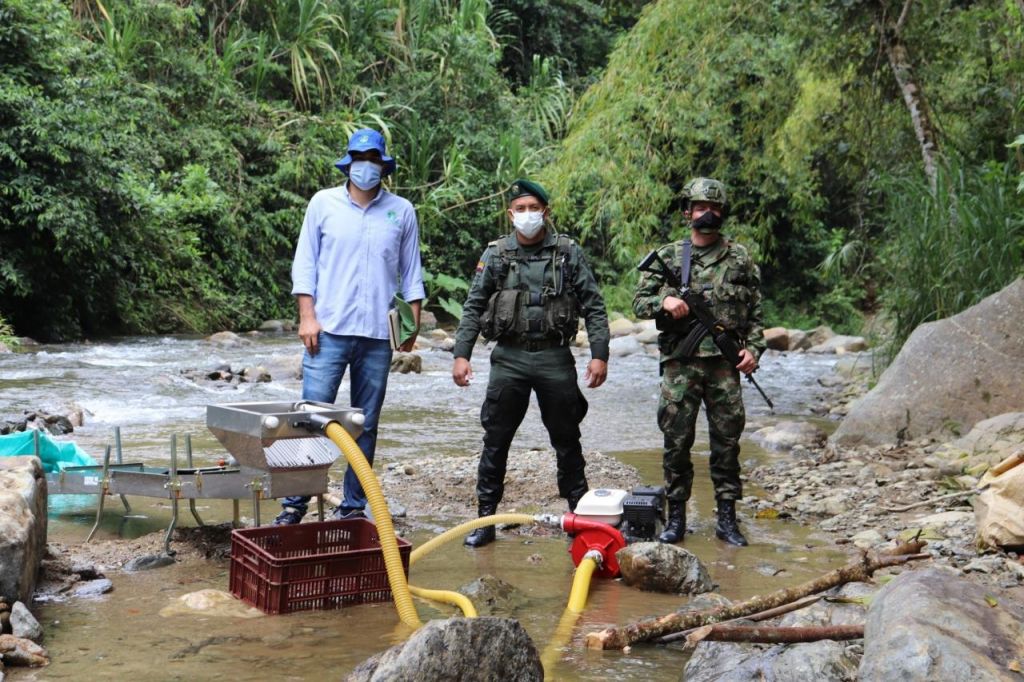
x=522, y=188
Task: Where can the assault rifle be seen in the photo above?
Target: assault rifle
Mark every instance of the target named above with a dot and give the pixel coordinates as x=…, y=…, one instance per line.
x=705, y=320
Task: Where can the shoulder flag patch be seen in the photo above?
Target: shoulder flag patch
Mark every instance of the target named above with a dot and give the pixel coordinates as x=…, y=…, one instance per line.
x=480, y=266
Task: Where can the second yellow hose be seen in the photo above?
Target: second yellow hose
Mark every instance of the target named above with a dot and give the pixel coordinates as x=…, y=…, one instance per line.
x=448, y=597
x=462, y=529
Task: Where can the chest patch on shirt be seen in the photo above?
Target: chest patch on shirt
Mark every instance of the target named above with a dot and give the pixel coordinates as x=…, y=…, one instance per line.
x=393, y=217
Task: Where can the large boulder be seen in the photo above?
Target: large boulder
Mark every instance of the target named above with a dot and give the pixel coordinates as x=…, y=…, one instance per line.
x=620, y=327
x=22, y=526
x=950, y=374
x=658, y=567
x=467, y=649
x=932, y=624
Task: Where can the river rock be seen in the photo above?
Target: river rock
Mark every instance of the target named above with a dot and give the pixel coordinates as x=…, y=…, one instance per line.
x=777, y=338
x=988, y=443
x=798, y=340
x=437, y=335
x=405, y=363
x=286, y=366
x=210, y=603
x=582, y=340
x=277, y=326
x=17, y=651
x=498, y=596
x=788, y=435
x=620, y=327
x=22, y=526
x=659, y=567
x=148, y=562
x=930, y=624
x=467, y=649
x=840, y=345
x=227, y=340
x=624, y=345
x=428, y=321
x=820, y=335
x=950, y=375
x=93, y=588
x=256, y=375
x=648, y=335
x=4, y=349
x=24, y=624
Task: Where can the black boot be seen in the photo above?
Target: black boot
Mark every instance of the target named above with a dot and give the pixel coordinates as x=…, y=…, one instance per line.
x=576, y=495
x=727, y=529
x=675, y=529
x=486, y=535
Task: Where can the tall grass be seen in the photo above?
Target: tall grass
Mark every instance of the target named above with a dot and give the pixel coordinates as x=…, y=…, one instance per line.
x=950, y=248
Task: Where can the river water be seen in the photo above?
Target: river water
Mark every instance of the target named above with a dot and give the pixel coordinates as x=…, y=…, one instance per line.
x=137, y=384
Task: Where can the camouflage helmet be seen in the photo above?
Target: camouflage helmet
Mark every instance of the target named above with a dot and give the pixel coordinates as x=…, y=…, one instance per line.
x=705, y=189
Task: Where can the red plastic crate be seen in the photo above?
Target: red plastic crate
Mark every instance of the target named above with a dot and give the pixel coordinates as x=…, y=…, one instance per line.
x=327, y=565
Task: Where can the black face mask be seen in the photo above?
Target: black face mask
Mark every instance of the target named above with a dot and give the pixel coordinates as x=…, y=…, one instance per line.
x=708, y=223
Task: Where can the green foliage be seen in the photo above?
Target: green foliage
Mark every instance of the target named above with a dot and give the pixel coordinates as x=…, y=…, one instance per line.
x=949, y=249
x=446, y=291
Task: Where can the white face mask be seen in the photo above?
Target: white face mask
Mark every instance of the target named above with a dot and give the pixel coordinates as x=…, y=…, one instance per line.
x=529, y=223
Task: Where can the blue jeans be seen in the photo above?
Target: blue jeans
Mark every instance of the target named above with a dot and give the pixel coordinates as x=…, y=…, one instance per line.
x=370, y=361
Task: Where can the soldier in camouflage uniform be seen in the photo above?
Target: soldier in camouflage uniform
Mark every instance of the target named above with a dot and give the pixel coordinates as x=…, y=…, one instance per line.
x=730, y=281
x=528, y=292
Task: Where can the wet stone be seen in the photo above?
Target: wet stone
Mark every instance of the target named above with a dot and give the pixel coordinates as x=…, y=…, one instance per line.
x=145, y=563
x=93, y=588
x=24, y=624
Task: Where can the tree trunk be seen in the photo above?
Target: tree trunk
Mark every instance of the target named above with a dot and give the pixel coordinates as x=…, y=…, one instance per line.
x=903, y=70
x=858, y=571
x=924, y=129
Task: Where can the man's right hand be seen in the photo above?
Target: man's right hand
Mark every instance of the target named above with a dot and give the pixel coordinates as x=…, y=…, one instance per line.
x=676, y=307
x=462, y=373
x=309, y=332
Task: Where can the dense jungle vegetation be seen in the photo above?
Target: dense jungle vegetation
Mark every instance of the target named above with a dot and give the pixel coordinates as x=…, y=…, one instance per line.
x=156, y=156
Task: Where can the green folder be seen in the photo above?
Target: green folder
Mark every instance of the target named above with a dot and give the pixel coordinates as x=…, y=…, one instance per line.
x=401, y=323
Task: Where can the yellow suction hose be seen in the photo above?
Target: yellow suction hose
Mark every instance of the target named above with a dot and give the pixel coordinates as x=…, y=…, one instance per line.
x=385, y=529
x=562, y=635
x=581, y=584
x=463, y=528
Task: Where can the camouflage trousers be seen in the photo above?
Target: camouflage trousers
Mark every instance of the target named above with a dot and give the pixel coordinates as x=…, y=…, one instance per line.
x=684, y=386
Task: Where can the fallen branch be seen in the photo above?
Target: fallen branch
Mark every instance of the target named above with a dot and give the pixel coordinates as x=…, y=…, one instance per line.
x=924, y=503
x=858, y=571
x=763, y=615
x=764, y=634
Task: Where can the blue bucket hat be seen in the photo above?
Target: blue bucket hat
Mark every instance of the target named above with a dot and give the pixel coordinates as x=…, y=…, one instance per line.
x=364, y=140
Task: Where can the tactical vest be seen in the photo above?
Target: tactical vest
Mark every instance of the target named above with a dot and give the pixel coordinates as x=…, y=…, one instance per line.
x=507, y=318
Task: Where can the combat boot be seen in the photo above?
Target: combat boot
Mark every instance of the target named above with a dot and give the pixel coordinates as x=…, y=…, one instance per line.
x=727, y=528
x=576, y=495
x=675, y=529
x=486, y=535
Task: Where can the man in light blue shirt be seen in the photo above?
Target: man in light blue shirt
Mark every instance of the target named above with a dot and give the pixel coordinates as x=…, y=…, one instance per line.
x=359, y=245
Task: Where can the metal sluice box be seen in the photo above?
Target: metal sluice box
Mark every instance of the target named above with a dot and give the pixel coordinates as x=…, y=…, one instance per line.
x=274, y=438
x=277, y=455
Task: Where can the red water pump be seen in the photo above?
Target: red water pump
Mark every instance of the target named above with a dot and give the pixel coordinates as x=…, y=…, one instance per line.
x=594, y=536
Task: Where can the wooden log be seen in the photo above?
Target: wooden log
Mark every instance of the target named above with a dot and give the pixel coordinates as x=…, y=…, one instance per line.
x=860, y=570
x=766, y=634
x=763, y=615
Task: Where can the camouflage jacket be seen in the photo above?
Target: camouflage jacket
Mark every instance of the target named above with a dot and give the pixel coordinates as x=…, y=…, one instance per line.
x=732, y=284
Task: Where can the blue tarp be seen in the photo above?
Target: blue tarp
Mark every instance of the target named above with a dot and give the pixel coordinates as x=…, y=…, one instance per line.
x=56, y=455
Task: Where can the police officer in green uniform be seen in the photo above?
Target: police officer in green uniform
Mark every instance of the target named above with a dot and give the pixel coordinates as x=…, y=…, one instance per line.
x=730, y=282
x=528, y=292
